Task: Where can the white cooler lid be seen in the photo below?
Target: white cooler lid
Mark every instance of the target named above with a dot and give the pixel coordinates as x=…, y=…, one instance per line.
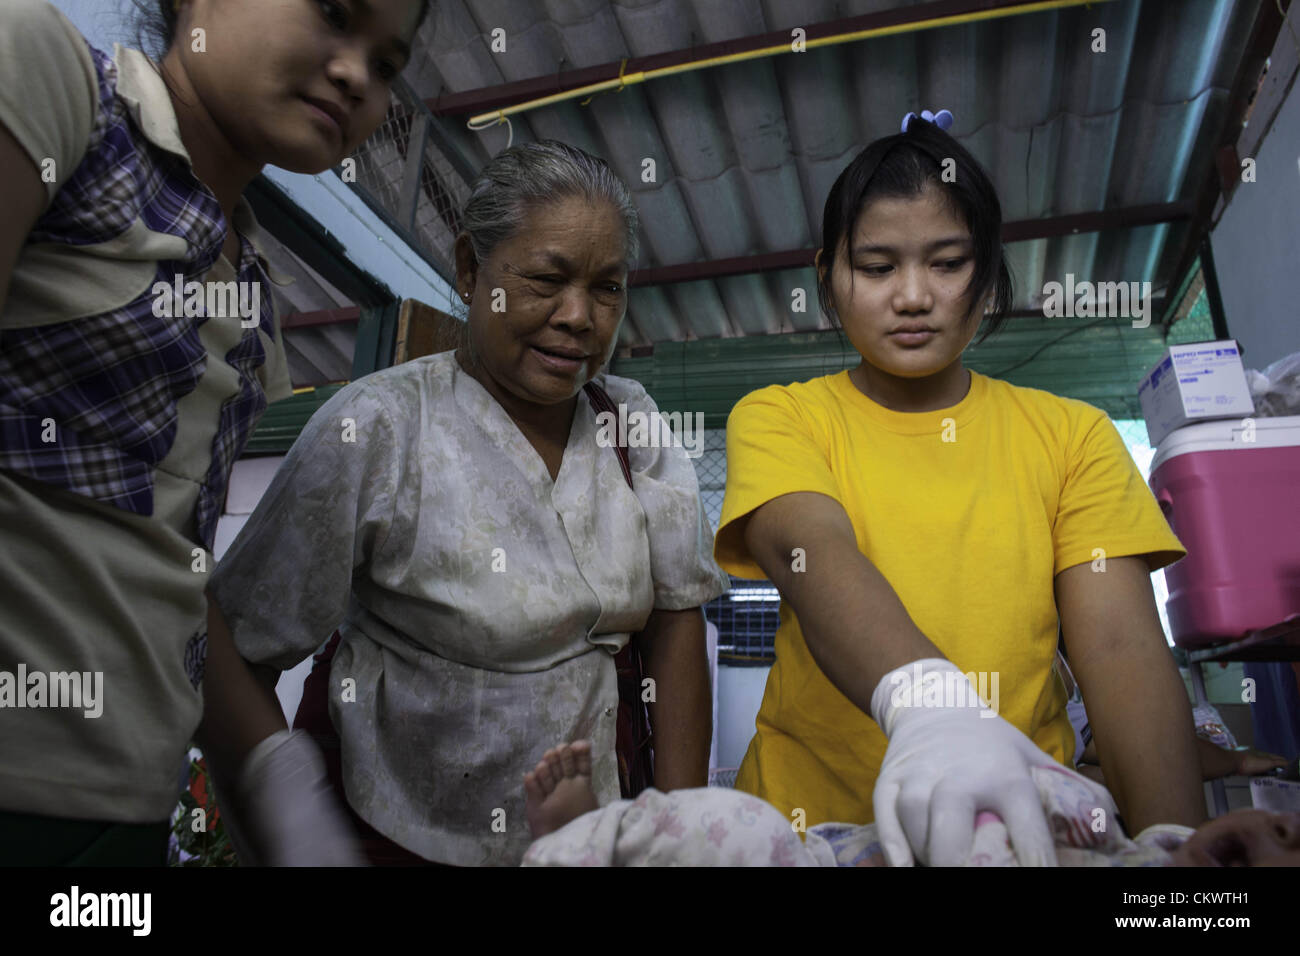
x=1226, y=435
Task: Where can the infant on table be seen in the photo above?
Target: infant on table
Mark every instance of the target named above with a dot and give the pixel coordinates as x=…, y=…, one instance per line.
x=722, y=827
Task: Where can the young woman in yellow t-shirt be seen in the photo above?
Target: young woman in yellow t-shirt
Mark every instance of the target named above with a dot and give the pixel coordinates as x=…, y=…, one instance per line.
x=927, y=528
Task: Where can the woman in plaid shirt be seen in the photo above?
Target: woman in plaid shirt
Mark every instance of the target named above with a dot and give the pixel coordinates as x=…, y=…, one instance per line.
x=122, y=411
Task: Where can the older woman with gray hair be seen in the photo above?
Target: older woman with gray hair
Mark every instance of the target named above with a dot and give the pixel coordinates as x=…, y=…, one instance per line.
x=483, y=555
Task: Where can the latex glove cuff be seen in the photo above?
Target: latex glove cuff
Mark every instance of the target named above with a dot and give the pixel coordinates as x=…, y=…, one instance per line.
x=288, y=807
x=912, y=687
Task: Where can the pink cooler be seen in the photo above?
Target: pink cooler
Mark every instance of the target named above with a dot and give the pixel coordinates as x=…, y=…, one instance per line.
x=1235, y=505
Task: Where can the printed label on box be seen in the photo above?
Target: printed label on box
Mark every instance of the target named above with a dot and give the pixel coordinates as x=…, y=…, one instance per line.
x=1268, y=793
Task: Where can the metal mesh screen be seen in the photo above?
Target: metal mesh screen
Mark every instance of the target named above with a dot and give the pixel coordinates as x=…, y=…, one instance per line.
x=747, y=617
x=723, y=777
x=1134, y=433
x=410, y=182
x=711, y=472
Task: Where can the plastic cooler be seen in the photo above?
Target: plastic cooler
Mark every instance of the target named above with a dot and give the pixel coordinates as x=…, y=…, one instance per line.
x=1235, y=505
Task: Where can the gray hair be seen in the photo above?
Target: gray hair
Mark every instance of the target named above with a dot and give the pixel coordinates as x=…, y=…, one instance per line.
x=530, y=175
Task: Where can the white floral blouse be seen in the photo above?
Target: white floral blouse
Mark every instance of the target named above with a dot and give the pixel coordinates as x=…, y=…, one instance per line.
x=480, y=602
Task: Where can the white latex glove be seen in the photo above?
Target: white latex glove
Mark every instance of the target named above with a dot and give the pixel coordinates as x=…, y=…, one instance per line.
x=944, y=764
x=287, y=813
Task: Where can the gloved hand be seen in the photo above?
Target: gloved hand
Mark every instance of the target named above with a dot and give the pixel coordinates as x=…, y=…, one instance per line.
x=946, y=763
x=286, y=811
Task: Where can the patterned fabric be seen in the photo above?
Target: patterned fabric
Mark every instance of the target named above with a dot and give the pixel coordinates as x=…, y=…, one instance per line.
x=709, y=826
x=480, y=601
x=117, y=426
x=719, y=827
x=110, y=383
x=196, y=657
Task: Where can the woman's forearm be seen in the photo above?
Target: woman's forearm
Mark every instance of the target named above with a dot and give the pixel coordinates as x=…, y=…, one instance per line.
x=1137, y=705
x=240, y=710
x=674, y=651
x=1145, y=740
x=853, y=621
x=856, y=628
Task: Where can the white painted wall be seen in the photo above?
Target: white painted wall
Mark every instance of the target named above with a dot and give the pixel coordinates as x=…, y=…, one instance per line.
x=739, y=693
x=1257, y=241
x=248, y=482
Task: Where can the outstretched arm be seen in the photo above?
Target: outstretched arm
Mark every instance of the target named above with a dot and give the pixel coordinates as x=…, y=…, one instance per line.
x=943, y=764
x=856, y=627
x=279, y=806
x=1137, y=705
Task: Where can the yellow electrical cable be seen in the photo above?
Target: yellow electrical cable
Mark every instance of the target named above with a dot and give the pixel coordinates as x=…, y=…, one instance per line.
x=623, y=80
x=621, y=67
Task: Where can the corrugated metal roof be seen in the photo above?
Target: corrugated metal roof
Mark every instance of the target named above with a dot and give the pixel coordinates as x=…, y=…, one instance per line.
x=746, y=153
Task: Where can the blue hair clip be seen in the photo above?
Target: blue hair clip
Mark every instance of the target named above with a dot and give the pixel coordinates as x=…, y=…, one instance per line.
x=942, y=119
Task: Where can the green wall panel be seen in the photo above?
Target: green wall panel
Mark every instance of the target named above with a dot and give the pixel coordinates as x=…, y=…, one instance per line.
x=282, y=422
x=1098, y=362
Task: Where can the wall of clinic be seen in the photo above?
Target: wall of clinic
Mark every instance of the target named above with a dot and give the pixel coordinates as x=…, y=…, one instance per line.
x=1255, y=241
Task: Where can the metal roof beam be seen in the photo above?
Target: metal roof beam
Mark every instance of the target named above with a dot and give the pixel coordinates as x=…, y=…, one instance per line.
x=521, y=91
x=1024, y=230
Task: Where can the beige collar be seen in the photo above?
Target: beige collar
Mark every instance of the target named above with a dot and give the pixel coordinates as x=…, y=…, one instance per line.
x=146, y=95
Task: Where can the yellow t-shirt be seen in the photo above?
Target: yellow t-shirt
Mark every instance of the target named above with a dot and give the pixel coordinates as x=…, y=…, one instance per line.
x=969, y=512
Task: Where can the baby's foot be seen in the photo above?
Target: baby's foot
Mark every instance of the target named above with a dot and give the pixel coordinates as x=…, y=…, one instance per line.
x=559, y=788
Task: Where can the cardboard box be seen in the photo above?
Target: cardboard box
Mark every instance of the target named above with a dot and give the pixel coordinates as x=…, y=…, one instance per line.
x=1194, y=383
x=1269, y=793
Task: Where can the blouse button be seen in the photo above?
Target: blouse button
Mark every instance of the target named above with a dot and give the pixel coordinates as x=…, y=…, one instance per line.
x=609, y=711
